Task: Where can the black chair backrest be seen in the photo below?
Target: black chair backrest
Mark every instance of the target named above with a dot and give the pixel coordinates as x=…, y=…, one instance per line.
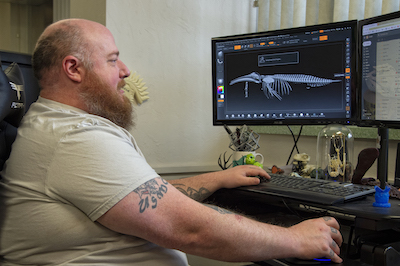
x=12, y=107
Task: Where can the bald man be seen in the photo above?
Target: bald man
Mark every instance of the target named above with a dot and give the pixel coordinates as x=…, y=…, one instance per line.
x=78, y=191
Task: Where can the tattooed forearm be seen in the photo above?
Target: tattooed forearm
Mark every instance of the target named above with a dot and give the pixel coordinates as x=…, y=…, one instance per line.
x=198, y=195
x=218, y=209
x=151, y=192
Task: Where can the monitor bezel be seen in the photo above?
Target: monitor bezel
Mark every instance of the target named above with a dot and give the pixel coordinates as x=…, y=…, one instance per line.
x=375, y=122
x=320, y=121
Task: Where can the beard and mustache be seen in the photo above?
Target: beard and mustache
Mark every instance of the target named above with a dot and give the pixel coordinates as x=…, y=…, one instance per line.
x=104, y=101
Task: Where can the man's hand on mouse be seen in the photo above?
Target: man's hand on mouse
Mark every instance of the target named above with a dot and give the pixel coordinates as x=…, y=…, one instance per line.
x=318, y=238
x=242, y=175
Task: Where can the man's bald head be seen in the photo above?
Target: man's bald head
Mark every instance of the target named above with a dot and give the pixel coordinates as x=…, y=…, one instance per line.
x=60, y=39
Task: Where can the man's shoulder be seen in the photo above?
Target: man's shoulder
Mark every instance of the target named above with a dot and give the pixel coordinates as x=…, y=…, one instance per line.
x=58, y=115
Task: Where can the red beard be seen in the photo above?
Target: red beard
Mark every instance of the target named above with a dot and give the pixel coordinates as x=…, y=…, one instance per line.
x=107, y=102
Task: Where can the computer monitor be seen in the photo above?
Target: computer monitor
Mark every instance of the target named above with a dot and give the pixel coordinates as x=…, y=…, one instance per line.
x=379, y=71
x=379, y=80
x=303, y=76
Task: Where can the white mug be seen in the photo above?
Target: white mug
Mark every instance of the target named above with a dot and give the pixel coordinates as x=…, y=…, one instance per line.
x=238, y=155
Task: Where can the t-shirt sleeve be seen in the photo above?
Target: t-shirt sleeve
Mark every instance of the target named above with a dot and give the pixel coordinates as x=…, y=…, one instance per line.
x=94, y=167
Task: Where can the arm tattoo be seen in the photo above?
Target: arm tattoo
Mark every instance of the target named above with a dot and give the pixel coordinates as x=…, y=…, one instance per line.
x=197, y=195
x=151, y=192
x=218, y=209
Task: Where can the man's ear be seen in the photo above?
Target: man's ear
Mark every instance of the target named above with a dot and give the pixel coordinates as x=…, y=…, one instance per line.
x=72, y=67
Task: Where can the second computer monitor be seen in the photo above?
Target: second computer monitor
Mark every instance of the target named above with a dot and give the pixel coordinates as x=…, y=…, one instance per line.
x=379, y=69
x=301, y=75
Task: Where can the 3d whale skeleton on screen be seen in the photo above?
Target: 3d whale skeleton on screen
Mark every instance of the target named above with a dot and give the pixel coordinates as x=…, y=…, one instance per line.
x=278, y=84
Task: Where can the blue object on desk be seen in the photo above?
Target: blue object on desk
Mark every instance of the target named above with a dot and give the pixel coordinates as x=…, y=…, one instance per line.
x=381, y=197
x=323, y=260
x=316, y=261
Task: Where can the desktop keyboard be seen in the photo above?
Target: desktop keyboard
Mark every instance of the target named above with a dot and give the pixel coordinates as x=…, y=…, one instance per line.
x=311, y=190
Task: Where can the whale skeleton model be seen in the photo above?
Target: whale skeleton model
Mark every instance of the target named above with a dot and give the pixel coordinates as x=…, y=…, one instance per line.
x=278, y=84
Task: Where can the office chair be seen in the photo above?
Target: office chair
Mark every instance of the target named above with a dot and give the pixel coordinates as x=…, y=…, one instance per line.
x=12, y=107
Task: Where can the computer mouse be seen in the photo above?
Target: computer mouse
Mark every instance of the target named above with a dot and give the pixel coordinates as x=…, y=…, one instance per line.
x=262, y=179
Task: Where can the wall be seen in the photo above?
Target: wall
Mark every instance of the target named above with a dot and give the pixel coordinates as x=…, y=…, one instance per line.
x=94, y=10
x=22, y=22
x=168, y=43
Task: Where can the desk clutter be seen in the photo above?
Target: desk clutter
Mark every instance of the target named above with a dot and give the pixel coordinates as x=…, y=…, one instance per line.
x=300, y=167
x=243, y=139
x=244, y=142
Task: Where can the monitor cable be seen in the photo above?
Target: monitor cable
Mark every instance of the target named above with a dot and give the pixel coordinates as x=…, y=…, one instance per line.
x=295, y=142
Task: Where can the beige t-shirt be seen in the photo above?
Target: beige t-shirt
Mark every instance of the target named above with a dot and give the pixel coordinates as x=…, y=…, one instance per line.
x=66, y=169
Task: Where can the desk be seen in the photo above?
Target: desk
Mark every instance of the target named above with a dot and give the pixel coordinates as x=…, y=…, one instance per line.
x=368, y=230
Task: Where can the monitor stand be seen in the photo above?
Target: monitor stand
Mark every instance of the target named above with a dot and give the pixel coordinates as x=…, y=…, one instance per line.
x=382, y=174
x=397, y=169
